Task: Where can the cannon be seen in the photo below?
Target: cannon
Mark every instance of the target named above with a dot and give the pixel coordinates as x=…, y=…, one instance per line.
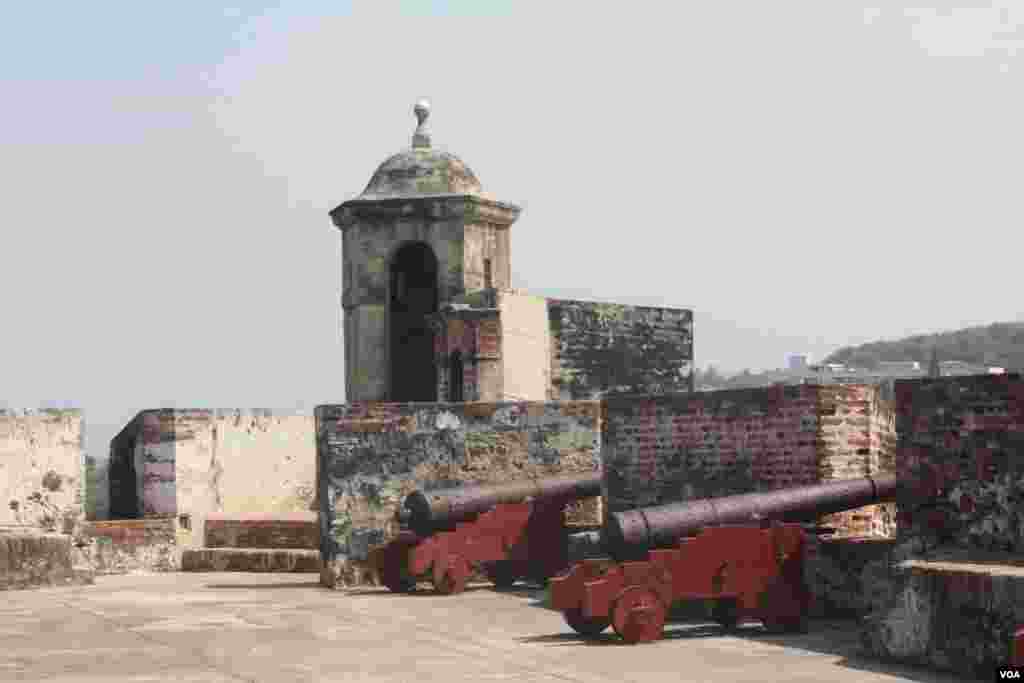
x=509, y=531
x=743, y=554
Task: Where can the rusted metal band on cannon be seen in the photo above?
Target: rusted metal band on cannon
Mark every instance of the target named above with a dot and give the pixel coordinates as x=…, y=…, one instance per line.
x=632, y=533
x=424, y=511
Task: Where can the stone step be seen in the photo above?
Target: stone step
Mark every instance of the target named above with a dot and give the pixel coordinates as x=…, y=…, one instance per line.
x=299, y=530
x=250, y=560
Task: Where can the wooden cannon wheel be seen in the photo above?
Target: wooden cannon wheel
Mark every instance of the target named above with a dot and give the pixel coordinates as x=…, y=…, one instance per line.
x=392, y=567
x=397, y=582
x=782, y=609
x=451, y=575
x=586, y=626
x=638, y=615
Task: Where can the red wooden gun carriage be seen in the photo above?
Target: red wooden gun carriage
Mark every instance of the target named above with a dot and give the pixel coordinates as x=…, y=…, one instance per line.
x=744, y=553
x=510, y=531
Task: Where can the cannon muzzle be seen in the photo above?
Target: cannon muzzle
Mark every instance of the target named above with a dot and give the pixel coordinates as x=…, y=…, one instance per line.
x=632, y=533
x=425, y=511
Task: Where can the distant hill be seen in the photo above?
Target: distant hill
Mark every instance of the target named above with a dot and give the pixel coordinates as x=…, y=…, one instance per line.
x=998, y=344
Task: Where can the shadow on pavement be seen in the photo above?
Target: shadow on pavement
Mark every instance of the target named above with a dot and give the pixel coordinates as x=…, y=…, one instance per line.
x=538, y=596
x=836, y=638
x=265, y=586
x=423, y=590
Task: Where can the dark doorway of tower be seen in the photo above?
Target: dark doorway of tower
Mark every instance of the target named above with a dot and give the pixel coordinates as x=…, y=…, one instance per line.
x=455, y=378
x=413, y=298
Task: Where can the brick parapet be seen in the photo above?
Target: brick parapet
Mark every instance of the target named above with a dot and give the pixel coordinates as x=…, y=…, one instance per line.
x=962, y=438
x=662, y=449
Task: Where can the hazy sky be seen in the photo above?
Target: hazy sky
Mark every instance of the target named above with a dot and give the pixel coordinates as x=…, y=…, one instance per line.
x=804, y=175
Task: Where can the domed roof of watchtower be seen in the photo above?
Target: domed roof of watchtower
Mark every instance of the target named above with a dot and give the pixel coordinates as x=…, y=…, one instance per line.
x=421, y=170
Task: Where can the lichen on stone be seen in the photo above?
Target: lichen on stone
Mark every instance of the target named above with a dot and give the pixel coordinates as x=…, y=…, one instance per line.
x=481, y=440
x=609, y=313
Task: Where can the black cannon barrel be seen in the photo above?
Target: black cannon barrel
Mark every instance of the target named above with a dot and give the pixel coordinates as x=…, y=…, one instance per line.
x=423, y=511
x=633, y=532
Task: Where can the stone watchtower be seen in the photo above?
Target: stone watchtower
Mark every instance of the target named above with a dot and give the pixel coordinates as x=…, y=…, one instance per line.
x=420, y=236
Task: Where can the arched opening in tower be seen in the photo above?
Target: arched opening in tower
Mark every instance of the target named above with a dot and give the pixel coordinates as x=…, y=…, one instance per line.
x=413, y=299
x=455, y=378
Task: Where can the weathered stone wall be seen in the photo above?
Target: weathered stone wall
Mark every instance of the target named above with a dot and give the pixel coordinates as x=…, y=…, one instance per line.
x=96, y=489
x=963, y=437
x=30, y=559
x=956, y=615
x=248, y=462
x=263, y=530
x=835, y=572
x=368, y=248
x=191, y=463
x=461, y=232
x=372, y=455
x=952, y=591
x=42, y=467
x=663, y=449
x=599, y=348
x=491, y=242
x=89, y=487
x=122, y=546
x=101, y=488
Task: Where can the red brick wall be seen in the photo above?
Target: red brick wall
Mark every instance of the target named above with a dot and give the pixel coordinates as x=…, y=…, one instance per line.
x=963, y=438
x=133, y=532
x=856, y=438
x=479, y=343
x=489, y=337
x=661, y=449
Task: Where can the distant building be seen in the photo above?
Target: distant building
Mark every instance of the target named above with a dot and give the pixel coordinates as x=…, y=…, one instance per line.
x=899, y=367
x=885, y=373
x=953, y=368
x=797, y=361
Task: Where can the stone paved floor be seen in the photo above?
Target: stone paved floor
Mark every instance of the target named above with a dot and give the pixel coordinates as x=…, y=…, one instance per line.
x=279, y=628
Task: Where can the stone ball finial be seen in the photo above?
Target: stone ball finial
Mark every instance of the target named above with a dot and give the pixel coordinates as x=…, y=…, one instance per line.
x=421, y=138
x=422, y=110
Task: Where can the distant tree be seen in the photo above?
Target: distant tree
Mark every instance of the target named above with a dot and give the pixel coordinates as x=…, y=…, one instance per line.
x=1000, y=344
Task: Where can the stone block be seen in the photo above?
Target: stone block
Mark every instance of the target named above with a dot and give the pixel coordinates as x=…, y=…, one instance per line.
x=31, y=560
x=250, y=560
x=954, y=611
